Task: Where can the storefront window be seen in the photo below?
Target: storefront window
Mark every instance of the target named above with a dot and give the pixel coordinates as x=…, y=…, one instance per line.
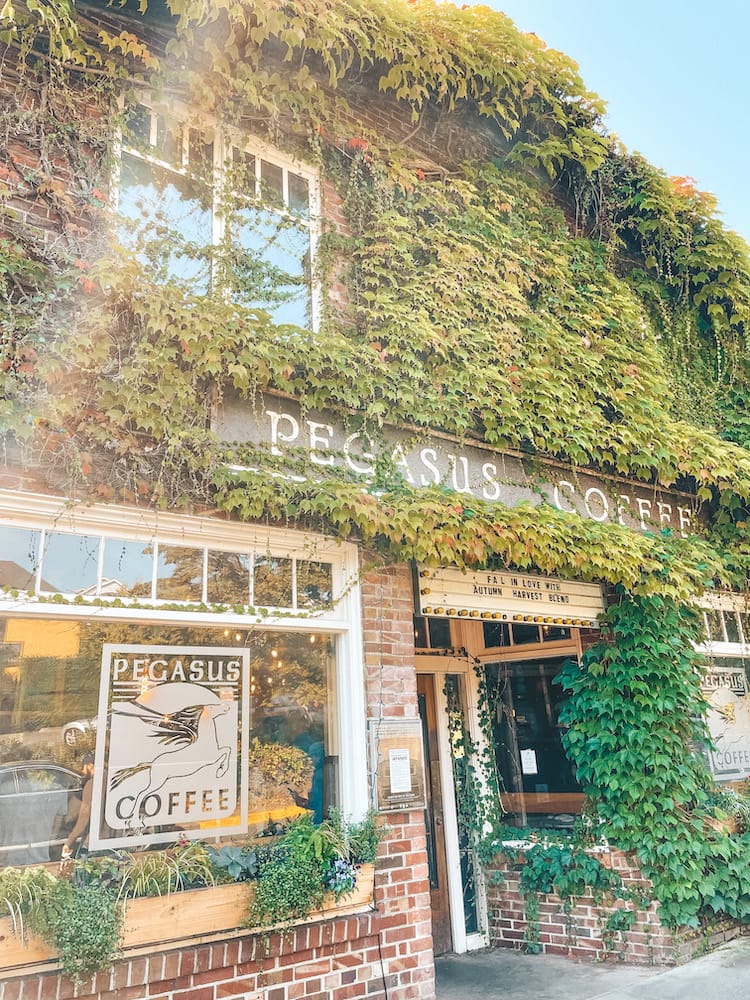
x=127, y=568
x=20, y=557
x=199, y=732
x=539, y=781
x=71, y=564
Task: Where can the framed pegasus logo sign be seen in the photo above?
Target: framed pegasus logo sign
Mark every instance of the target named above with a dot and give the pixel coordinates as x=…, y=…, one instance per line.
x=174, y=758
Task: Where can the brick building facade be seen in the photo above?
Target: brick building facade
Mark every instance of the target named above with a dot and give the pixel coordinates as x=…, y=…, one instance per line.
x=94, y=573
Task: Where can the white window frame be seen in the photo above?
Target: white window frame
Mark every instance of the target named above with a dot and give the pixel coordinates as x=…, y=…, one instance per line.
x=223, y=142
x=343, y=620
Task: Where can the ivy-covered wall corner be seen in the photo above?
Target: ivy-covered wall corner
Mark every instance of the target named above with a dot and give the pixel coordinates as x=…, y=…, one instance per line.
x=587, y=904
x=657, y=866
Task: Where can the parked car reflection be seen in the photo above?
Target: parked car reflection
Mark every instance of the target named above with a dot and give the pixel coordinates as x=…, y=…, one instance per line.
x=73, y=731
x=39, y=803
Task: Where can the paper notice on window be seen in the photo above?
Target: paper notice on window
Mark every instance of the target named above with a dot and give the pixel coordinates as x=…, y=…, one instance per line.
x=400, y=771
x=528, y=762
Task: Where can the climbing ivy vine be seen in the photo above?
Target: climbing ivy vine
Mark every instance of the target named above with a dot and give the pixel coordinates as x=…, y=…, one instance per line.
x=509, y=273
x=636, y=728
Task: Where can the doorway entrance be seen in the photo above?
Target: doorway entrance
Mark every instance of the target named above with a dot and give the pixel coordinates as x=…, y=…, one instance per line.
x=458, y=911
x=434, y=819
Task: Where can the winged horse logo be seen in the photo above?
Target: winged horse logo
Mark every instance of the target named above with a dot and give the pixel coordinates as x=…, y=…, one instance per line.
x=187, y=738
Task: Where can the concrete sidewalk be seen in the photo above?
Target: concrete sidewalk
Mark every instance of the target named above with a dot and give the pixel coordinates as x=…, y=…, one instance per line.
x=510, y=975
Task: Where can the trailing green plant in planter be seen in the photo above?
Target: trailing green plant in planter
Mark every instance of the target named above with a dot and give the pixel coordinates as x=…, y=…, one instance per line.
x=309, y=862
x=188, y=865
x=290, y=876
x=83, y=923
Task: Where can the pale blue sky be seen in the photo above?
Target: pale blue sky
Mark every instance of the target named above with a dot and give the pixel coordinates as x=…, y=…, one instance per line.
x=676, y=78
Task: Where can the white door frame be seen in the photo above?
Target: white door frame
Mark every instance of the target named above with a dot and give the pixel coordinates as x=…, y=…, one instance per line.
x=440, y=666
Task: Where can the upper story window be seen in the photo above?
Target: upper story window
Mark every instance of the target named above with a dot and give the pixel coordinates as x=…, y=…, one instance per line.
x=211, y=213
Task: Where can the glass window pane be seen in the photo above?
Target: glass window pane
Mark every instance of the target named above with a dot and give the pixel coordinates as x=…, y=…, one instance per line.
x=19, y=548
x=138, y=128
x=554, y=633
x=169, y=133
x=228, y=578
x=439, y=630
x=270, y=258
x=715, y=627
x=243, y=172
x=200, y=154
x=45, y=682
x=524, y=634
x=272, y=582
x=179, y=574
x=732, y=626
x=314, y=584
x=496, y=634
x=293, y=754
x=55, y=684
x=127, y=568
x=299, y=195
x=171, y=222
x=745, y=622
x=70, y=563
x=271, y=183
x=420, y=632
x=539, y=783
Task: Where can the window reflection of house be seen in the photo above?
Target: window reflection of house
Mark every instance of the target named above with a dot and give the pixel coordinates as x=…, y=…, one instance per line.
x=19, y=578
x=106, y=588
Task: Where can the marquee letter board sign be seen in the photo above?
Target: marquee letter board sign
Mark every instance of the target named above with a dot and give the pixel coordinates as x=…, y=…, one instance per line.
x=398, y=764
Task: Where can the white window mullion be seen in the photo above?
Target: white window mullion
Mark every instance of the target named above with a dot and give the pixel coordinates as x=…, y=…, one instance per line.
x=154, y=571
x=100, y=566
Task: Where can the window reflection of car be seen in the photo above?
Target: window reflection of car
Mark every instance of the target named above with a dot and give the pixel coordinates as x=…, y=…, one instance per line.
x=73, y=731
x=39, y=802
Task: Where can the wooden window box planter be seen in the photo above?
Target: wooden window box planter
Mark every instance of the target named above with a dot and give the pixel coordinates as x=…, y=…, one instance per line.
x=154, y=923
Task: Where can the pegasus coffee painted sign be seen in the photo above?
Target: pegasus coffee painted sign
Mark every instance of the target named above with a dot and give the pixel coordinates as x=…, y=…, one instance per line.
x=725, y=689
x=170, y=766
x=325, y=442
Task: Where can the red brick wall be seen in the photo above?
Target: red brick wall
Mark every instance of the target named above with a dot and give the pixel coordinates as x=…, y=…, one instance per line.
x=337, y=960
x=578, y=931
